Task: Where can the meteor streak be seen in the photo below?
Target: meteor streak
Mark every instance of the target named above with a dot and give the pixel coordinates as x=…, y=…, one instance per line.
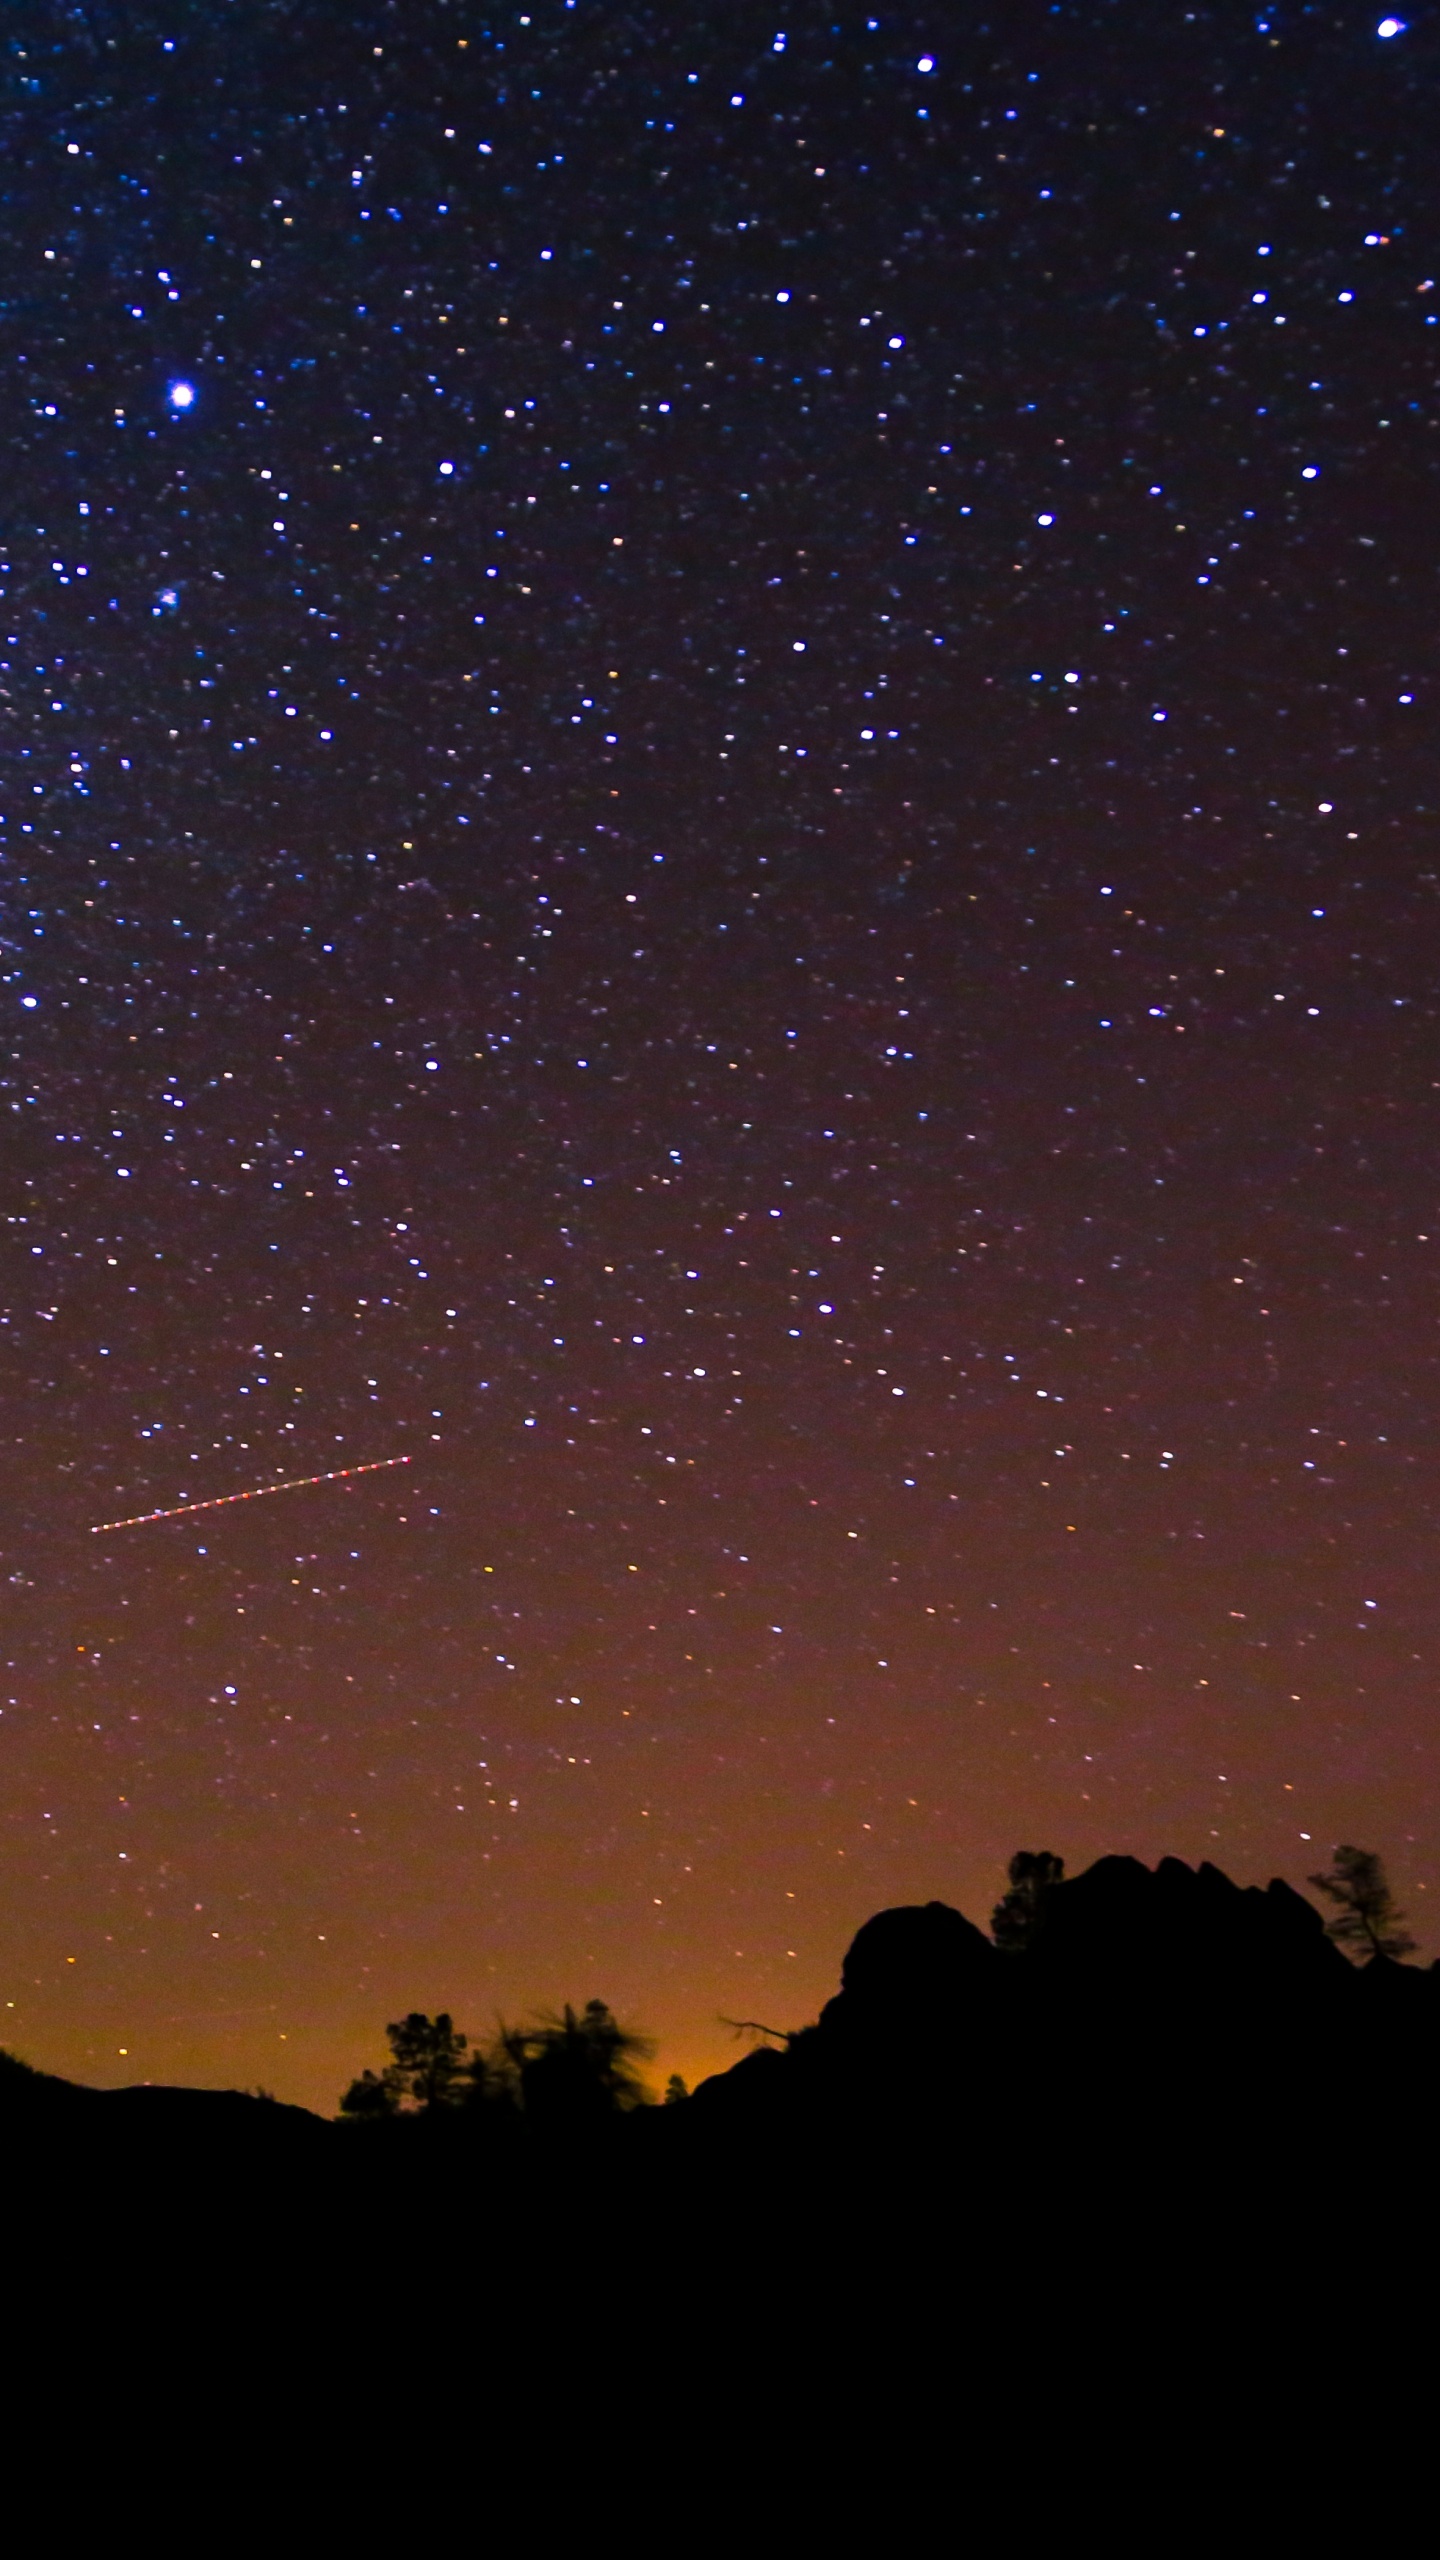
x=257, y=1493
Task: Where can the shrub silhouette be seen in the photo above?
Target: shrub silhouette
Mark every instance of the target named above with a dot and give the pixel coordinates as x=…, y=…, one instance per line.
x=373, y=2095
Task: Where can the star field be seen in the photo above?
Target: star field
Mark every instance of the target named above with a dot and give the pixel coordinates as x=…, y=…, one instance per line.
x=719, y=813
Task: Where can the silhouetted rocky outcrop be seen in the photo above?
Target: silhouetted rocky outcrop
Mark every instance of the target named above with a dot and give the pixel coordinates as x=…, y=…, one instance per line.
x=1158, y=2038
x=1168, y=1992
x=921, y=1956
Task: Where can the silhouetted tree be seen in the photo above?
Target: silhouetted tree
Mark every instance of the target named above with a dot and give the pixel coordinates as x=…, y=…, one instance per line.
x=578, y=2066
x=756, y=2027
x=675, y=2090
x=427, y=2069
x=1366, y=1922
x=1019, y=1915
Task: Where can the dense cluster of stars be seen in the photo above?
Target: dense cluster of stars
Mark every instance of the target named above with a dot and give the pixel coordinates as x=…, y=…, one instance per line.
x=718, y=815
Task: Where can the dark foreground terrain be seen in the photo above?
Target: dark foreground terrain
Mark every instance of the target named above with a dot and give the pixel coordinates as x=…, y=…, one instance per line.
x=1176, y=2151
x=1154, y=2021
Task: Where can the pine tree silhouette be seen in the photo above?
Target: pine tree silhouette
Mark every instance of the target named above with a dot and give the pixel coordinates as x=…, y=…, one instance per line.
x=427, y=2069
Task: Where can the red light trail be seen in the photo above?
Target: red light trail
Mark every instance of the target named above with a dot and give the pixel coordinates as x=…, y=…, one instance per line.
x=257, y=1493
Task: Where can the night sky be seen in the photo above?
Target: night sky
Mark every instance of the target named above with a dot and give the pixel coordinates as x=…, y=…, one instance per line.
x=719, y=814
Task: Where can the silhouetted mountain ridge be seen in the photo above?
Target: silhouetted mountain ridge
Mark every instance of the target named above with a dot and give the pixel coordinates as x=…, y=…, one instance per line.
x=1136, y=1984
